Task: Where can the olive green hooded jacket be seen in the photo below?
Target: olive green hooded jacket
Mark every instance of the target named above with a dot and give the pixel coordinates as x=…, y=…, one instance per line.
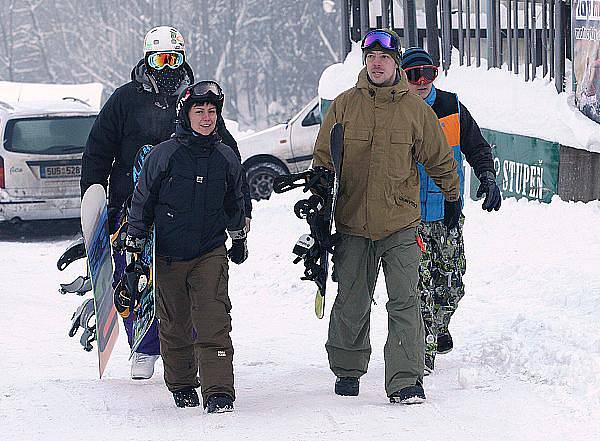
x=386, y=131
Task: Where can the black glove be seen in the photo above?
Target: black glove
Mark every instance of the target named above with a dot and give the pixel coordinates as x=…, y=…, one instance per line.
x=452, y=212
x=238, y=252
x=488, y=186
x=134, y=244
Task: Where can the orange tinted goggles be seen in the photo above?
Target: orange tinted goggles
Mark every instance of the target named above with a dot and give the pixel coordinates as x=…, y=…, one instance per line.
x=160, y=60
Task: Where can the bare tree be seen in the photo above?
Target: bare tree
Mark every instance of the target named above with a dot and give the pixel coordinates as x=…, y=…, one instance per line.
x=267, y=54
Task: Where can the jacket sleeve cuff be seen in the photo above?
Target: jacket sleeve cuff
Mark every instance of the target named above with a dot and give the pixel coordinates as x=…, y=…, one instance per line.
x=237, y=234
x=136, y=232
x=487, y=175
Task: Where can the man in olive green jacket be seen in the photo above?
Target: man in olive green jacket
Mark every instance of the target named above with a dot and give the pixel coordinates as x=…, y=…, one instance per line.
x=387, y=130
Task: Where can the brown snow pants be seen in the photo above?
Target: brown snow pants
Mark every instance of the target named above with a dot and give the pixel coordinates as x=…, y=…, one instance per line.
x=193, y=307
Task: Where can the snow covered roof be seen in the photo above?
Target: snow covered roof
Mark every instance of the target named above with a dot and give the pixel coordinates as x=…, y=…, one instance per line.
x=12, y=92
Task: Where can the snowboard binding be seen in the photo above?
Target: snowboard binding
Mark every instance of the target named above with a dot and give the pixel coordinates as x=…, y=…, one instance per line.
x=316, y=211
x=79, y=286
x=84, y=317
x=75, y=251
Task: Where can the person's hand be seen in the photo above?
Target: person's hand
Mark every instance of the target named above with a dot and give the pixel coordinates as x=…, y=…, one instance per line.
x=488, y=186
x=452, y=212
x=248, y=224
x=134, y=244
x=238, y=252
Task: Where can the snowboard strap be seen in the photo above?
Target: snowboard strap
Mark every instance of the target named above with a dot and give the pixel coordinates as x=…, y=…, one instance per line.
x=79, y=286
x=82, y=317
x=75, y=251
x=315, y=179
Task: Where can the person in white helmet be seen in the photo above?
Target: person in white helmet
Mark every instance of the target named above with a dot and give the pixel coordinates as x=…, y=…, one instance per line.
x=138, y=113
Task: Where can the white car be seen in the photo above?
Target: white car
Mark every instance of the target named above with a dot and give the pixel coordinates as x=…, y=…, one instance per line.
x=284, y=148
x=40, y=158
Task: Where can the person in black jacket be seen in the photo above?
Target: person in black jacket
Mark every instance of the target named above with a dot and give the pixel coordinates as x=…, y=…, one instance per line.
x=138, y=113
x=442, y=263
x=190, y=189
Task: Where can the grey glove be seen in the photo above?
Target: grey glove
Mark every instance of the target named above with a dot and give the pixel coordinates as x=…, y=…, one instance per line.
x=134, y=244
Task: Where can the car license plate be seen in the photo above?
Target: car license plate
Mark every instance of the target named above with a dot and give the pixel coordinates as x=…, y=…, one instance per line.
x=60, y=171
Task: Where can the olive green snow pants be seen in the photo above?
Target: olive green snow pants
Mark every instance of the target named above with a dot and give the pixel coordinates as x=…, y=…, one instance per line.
x=193, y=307
x=356, y=261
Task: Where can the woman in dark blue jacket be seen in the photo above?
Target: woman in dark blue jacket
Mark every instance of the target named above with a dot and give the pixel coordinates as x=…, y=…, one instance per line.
x=190, y=189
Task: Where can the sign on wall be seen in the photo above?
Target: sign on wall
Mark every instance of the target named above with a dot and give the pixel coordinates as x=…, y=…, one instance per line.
x=525, y=166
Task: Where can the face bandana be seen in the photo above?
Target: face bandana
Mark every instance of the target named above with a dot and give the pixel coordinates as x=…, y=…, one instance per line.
x=167, y=80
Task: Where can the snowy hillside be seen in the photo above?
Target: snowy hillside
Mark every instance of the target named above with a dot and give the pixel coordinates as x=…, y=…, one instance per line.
x=526, y=364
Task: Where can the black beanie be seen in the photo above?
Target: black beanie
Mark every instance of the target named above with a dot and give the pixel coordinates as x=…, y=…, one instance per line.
x=415, y=56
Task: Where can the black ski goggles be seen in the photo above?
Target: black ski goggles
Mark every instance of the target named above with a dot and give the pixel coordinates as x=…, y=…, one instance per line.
x=206, y=88
x=384, y=39
x=421, y=74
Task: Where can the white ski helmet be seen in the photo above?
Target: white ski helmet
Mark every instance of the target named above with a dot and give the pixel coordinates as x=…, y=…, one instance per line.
x=163, y=39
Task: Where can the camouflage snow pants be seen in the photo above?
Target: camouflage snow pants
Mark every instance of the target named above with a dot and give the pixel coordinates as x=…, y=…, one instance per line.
x=440, y=284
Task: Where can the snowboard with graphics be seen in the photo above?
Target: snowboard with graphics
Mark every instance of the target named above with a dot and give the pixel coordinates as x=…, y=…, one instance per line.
x=146, y=312
x=94, y=223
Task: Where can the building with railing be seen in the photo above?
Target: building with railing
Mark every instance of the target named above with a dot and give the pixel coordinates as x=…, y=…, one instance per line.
x=548, y=39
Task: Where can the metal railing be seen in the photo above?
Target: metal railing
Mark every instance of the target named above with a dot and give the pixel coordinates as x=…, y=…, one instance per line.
x=521, y=34
x=527, y=34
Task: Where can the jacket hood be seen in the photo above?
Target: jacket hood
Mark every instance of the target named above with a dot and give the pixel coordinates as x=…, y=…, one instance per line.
x=145, y=82
x=391, y=92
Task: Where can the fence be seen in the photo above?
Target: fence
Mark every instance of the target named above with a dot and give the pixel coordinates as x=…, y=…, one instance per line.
x=521, y=34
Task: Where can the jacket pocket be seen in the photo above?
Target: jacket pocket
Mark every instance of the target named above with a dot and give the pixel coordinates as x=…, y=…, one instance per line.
x=399, y=157
x=216, y=187
x=357, y=154
x=177, y=192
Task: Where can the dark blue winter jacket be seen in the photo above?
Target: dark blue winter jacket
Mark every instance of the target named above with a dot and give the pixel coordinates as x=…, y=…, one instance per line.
x=190, y=188
x=135, y=114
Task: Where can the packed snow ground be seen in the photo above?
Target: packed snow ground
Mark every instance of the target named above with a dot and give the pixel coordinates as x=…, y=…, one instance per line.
x=526, y=365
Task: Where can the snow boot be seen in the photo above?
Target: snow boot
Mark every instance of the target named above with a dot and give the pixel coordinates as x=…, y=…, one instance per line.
x=142, y=366
x=187, y=397
x=444, y=343
x=409, y=394
x=219, y=403
x=346, y=386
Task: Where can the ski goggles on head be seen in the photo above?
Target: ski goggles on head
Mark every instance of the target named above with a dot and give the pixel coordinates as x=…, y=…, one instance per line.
x=385, y=40
x=204, y=88
x=160, y=60
x=421, y=74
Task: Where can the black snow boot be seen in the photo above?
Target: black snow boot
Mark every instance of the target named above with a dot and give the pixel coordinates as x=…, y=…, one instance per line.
x=346, y=386
x=219, y=403
x=186, y=397
x=409, y=394
x=444, y=343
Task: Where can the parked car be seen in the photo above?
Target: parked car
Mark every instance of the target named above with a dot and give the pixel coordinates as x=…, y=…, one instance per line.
x=281, y=149
x=40, y=158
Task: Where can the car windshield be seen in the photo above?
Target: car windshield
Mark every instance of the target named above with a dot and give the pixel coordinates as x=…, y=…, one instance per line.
x=48, y=135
